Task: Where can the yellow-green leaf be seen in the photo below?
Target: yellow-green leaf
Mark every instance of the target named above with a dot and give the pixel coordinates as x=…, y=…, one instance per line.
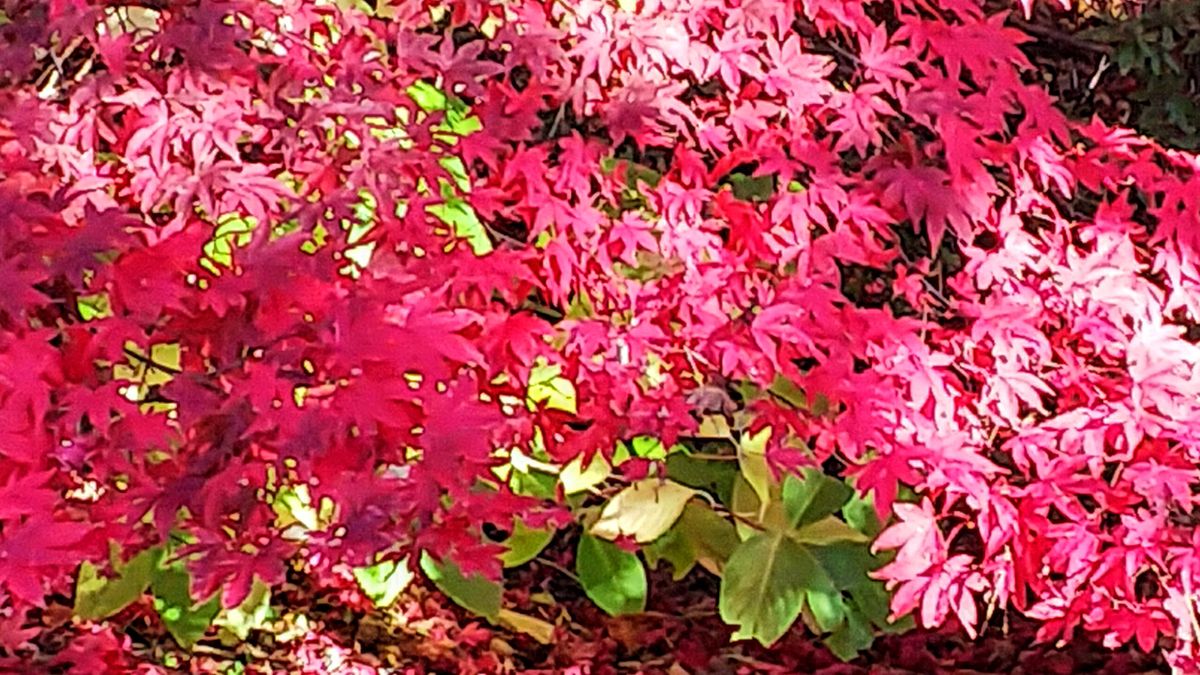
x=767, y=583
x=644, y=510
x=236, y=623
x=97, y=597
x=384, y=582
x=524, y=544
x=539, y=630
x=827, y=531
x=752, y=459
x=575, y=478
x=547, y=385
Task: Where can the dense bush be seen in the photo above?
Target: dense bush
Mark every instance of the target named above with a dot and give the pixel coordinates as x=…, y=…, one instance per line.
x=732, y=283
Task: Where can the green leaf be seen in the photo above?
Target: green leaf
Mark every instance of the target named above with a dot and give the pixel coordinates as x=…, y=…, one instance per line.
x=458, y=171
x=847, y=563
x=872, y=599
x=475, y=593
x=753, y=462
x=533, y=484
x=826, y=608
x=542, y=631
x=752, y=188
x=293, y=506
x=98, y=598
x=745, y=504
x=614, y=579
x=233, y=231
x=651, y=448
x=524, y=544
x=715, y=477
x=713, y=537
x=93, y=307
x=461, y=217
x=701, y=536
x=428, y=97
x=826, y=531
x=851, y=637
x=236, y=623
x=187, y=621
x=787, y=391
x=674, y=547
x=384, y=582
x=644, y=510
x=860, y=514
x=714, y=426
x=575, y=478
x=459, y=121
x=546, y=384
x=813, y=496
x=766, y=585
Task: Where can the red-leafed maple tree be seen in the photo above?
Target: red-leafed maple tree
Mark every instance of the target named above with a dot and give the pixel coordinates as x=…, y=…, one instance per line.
x=367, y=257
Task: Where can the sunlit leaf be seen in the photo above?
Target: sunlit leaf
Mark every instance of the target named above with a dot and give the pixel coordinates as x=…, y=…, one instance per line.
x=614, y=579
x=644, y=510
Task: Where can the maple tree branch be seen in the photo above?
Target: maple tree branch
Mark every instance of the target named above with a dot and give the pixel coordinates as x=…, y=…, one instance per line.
x=810, y=34
x=712, y=457
x=929, y=287
x=505, y=237
x=1064, y=39
x=151, y=362
x=544, y=311
x=743, y=519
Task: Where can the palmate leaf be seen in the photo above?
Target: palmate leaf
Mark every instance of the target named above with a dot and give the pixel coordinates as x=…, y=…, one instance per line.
x=367, y=139
x=813, y=496
x=768, y=580
x=701, y=536
x=777, y=576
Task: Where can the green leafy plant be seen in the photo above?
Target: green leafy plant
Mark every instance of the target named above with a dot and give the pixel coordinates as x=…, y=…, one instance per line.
x=99, y=596
x=786, y=548
x=1160, y=49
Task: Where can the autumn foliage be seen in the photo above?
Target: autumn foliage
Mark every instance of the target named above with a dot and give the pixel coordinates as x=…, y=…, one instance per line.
x=324, y=285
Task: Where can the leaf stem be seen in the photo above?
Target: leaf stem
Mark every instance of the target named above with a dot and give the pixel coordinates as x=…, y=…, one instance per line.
x=560, y=569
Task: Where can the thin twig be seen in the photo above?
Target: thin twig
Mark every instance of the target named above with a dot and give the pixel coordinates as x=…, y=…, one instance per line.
x=152, y=363
x=712, y=457
x=558, y=118
x=505, y=237
x=1064, y=39
x=693, y=614
x=560, y=569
